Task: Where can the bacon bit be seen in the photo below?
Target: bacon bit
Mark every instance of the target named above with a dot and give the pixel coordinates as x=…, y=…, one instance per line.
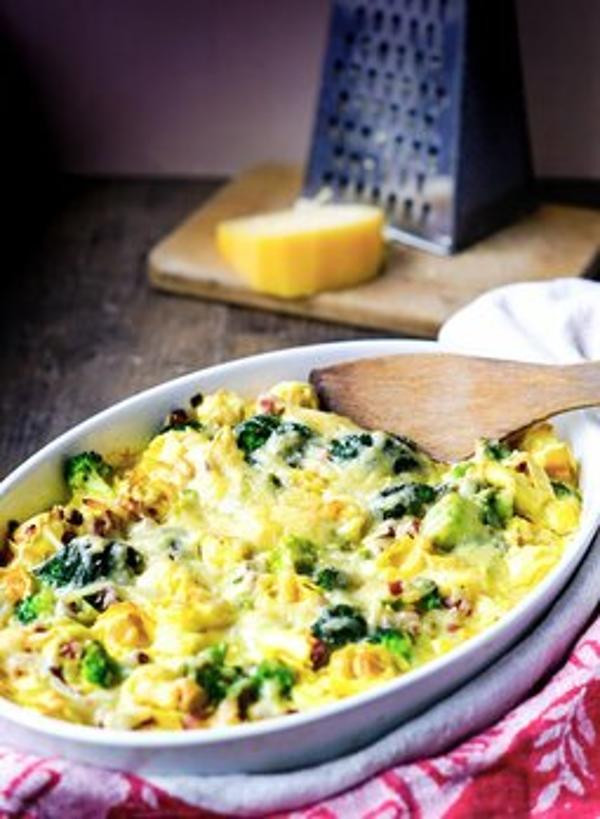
x=189, y=721
x=142, y=658
x=459, y=603
x=146, y=723
x=523, y=467
x=93, y=503
x=75, y=518
x=67, y=536
x=465, y=607
x=176, y=417
x=101, y=526
x=102, y=599
x=70, y=650
x=453, y=627
x=31, y=530
x=414, y=527
x=57, y=672
x=396, y=587
x=270, y=404
x=319, y=655
x=60, y=512
x=196, y=400
x=40, y=629
x=132, y=508
x=389, y=532
x=153, y=512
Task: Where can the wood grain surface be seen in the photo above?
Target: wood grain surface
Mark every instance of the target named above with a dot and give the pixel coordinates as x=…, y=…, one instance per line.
x=82, y=329
x=417, y=290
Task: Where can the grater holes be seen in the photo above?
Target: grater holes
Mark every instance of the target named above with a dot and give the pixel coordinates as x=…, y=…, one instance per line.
x=381, y=120
x=425, y=211
x=413, y=29
x=429, y=35
x=383, y=49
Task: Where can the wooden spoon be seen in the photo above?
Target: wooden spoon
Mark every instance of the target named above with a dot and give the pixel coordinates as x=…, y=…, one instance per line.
x=446, y=402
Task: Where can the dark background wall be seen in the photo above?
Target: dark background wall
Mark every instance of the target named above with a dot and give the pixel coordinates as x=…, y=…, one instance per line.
x=180, y=87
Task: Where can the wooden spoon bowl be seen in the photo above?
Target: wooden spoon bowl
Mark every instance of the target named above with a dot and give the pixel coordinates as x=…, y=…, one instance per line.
x=445, y=402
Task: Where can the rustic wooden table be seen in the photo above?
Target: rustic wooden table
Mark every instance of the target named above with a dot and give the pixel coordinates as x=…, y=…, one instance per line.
x=82, y=329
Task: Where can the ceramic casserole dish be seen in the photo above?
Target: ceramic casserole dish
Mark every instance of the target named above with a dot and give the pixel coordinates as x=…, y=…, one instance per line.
x=298, y=739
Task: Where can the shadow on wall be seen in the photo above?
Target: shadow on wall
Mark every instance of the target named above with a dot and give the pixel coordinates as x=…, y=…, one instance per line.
x=30, y=172
x=183, y=87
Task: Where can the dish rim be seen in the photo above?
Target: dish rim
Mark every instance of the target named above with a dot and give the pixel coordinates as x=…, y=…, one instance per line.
x=128, y=738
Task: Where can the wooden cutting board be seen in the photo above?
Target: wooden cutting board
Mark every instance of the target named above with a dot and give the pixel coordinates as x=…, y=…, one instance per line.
x=417, y=291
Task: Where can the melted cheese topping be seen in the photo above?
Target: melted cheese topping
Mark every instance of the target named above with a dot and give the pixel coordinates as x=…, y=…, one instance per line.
x=263, y=557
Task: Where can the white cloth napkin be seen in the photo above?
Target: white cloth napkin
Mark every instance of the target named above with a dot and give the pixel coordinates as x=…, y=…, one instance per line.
x=558, y=321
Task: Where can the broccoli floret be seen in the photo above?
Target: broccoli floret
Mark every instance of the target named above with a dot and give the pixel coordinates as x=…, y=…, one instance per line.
x=214, y=677
x=460, y=469
x=36, y=605
x=303, y=554
x=294, y=438
x=295, y=552
x=454, y=521
x=407, y=499
x=496, y=450
x=98, y=667
x=429, y=595
x=85, y=559
x=350, y=446
x=256, y=431
x=88, y=474
x=250, y=435
x=330, y=579
x=563, y=490
x=339, y=625
x=397, y=642
x=402, y=453
x=496, y=507
x=277, y=673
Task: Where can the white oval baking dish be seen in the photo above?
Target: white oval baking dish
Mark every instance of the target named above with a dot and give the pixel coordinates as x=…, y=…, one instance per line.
x=298, y=739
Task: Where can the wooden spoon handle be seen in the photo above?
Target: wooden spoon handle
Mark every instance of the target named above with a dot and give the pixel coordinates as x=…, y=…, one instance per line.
x=575, y=386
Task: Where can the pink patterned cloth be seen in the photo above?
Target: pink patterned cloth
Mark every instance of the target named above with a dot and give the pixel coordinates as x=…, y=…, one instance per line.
x=542, y=759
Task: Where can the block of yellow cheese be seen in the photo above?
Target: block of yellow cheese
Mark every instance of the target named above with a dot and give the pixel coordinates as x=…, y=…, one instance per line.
x=298, y=252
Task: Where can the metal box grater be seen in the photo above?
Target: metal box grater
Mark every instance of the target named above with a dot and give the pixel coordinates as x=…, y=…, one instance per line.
x=421, y=110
